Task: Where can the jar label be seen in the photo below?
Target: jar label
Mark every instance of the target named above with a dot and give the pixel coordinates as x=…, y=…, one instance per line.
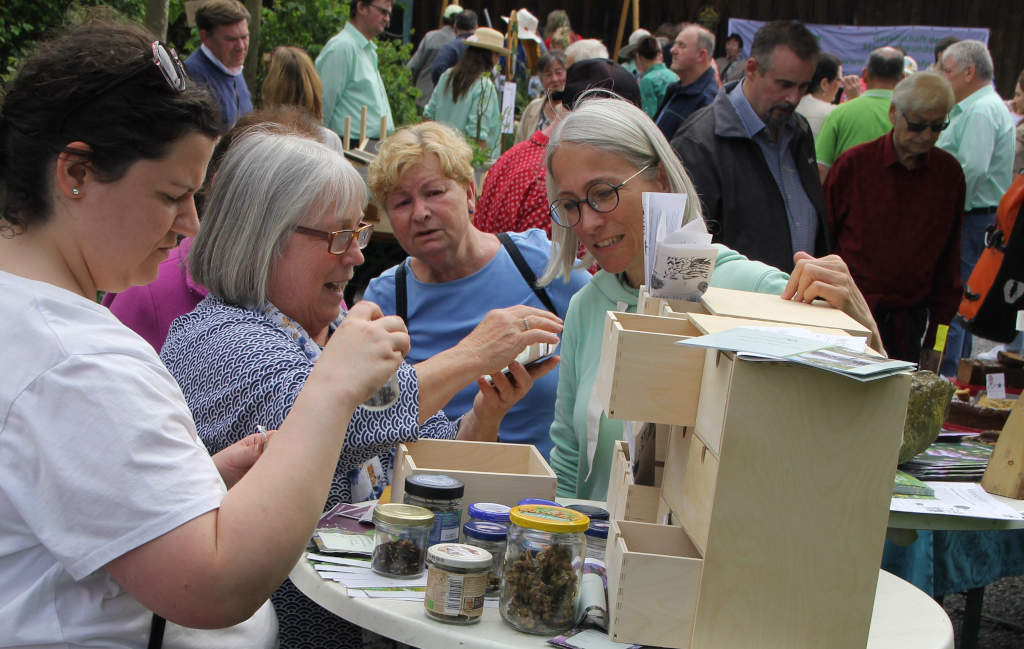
x=455, y=594
x=446, y=527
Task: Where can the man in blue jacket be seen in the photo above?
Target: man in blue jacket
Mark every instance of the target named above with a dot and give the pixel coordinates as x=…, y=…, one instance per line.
x=691, y=60
x=217, y=64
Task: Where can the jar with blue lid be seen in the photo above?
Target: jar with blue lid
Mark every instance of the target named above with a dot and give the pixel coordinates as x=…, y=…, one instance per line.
x=492, y=537
x=591, y=511
x=597, y=538
x=442, y=495
x=489, y=512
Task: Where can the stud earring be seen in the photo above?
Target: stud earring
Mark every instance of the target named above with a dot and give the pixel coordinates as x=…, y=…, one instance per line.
x=74, y=191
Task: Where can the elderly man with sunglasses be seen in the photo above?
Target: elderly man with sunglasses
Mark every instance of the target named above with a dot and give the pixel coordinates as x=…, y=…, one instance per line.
x=895, y=207
x=348, y=67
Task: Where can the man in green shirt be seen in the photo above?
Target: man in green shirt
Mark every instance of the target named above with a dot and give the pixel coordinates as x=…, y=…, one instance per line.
x=981, y=137
x=348, y=68
x=865, y=118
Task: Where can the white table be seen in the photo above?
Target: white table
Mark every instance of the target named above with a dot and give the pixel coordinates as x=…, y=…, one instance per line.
x=904, y=618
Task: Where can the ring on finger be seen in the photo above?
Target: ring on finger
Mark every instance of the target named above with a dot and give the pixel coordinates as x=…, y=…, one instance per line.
x=526, y=324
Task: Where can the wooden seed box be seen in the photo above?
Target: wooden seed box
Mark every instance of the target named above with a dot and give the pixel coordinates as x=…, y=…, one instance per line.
x=643, y=374
x=654, y=574
x=492, y=471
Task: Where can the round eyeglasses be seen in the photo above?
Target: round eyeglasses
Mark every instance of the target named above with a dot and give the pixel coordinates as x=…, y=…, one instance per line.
x=339, y=241
x=601, y=197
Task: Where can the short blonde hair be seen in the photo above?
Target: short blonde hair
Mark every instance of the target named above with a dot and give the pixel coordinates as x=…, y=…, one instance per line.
x=292, y=81
x=408, y=146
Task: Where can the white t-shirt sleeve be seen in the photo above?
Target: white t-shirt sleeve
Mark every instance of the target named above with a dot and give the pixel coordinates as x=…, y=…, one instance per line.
x=99, y=455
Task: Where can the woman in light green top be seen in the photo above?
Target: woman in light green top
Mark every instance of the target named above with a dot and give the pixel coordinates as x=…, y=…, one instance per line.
x=465, y=97
x=655, y=76
x=601, y=158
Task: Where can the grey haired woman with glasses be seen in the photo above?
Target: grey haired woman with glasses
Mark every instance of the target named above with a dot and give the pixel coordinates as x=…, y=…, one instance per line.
x=113, y=516
x=600, y=160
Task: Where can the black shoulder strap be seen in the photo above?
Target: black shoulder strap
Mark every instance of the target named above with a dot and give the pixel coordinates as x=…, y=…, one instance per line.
x=526, y=271
x=156, y=632
x=401, y=298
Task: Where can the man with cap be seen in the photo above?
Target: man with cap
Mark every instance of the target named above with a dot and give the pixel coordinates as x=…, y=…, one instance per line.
x=696, y=88
x=514, y=196
x=427, y=50
x=751, y=157
x=466, y=23
x=348, y=67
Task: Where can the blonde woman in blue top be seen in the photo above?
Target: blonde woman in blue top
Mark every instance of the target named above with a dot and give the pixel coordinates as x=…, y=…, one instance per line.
x=465, y=97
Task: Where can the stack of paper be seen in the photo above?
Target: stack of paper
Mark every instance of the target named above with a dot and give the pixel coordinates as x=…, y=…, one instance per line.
x=794, y=345
x=960, y=462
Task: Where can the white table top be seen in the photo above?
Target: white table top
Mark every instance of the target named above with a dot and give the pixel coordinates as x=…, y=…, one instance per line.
x=904, y=618
x=910, y=521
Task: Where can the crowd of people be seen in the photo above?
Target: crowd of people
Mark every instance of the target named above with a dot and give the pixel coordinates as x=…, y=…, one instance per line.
x=167, y=453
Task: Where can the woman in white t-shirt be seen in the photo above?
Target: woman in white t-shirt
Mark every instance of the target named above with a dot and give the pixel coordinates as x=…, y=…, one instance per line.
x=111, y=509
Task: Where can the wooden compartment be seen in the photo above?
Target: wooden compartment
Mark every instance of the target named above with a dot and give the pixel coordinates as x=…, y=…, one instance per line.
x=644, y=375
x=763, y=306
x=492, y=471
x=626, y=500
x=654, y=574
x=689, y=484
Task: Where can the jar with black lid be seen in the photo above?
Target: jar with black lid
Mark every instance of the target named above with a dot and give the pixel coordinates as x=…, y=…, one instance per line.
x=442, y=495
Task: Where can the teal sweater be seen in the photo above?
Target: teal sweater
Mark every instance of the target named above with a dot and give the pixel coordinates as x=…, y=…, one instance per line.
x=581, y=354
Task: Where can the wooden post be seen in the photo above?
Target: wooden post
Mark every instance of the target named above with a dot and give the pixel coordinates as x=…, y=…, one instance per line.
x=622, y=28
x=156, y=18
x=636, y=15
x=1005, y=473
x=347, y=135
x=383, y=127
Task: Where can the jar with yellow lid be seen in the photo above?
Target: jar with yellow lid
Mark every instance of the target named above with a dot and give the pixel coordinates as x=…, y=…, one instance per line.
x=540, y=582
x=400, y=539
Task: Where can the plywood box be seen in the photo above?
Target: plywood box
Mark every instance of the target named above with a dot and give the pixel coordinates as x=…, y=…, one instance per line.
x=643, y=374
x=492, y=471
x=654, y=574
x=762, y=306
x=628, y=501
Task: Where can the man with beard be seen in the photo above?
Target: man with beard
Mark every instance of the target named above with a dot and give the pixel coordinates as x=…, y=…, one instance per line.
x=751, y=157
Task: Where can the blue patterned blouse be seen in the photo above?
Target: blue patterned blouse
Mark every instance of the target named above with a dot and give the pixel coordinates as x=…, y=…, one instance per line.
x=238, y=368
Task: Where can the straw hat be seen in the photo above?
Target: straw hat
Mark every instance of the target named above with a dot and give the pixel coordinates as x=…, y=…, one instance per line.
x=488, y=39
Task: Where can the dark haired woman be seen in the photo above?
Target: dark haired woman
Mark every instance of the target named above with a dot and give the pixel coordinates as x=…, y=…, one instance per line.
x=655, y=77
x=111, y=509
x=465, y=98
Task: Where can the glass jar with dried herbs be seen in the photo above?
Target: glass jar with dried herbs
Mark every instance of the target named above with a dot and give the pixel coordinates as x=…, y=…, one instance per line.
x=400, y=539
x=540, y=583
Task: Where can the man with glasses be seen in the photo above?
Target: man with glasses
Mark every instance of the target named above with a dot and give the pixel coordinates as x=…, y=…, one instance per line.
x=217, y=64
x=981, y=137
x=348, y=68
x=895, y=208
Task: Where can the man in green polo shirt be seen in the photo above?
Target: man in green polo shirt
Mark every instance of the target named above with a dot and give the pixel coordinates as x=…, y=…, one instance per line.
x=981, y=137
x=348, y=68
x=865, y=118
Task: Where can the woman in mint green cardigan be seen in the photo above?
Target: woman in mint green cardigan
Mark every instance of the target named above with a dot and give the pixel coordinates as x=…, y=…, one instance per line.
x=608, y=152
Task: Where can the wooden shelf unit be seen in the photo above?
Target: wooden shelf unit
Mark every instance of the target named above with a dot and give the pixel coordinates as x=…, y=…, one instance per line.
x=768, y=525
